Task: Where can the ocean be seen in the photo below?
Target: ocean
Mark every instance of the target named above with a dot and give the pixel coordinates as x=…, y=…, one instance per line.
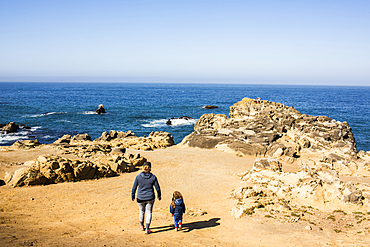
x=55, y=109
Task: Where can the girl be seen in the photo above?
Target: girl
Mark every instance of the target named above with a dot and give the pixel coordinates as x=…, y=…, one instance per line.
x=177, y=209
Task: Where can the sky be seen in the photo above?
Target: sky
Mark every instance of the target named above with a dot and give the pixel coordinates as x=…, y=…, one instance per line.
x=268, y=42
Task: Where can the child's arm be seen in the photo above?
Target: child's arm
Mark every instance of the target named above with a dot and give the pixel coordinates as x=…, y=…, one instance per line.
x=183, y=207
x=171, y=209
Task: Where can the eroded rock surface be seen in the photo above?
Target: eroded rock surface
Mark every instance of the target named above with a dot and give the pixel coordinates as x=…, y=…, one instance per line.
x=269, y=129
x=50, y=169
x=272, y=189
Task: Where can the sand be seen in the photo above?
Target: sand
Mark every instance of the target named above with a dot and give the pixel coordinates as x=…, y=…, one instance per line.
x=101, y=213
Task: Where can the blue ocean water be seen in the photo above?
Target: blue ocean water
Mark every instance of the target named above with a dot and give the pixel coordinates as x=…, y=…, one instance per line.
x=55, y=109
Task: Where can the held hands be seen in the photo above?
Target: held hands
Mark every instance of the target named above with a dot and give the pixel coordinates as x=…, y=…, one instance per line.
x=159, y=198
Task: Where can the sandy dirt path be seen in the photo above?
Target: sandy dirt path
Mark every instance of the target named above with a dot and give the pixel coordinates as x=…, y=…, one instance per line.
x=101, y=213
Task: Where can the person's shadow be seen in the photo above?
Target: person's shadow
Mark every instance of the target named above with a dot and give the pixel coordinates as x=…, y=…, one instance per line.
x=187, y=227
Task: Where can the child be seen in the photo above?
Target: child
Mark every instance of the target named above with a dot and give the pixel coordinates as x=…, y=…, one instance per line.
x=177, y=208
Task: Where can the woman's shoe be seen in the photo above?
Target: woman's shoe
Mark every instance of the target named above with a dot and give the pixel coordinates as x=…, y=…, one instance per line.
x=142, y=228
x=148, y=231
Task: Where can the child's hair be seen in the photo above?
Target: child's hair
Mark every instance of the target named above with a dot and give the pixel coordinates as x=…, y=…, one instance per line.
x=176, y=195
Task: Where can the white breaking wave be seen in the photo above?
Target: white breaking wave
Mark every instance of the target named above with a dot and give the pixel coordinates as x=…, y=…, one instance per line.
x=174, y=122
x=21, y=134
x=89, y=112
x=45, y=114
x=64, y=121
x=6, y=138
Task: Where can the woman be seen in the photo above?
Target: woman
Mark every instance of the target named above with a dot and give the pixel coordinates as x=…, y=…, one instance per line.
x=145, y=195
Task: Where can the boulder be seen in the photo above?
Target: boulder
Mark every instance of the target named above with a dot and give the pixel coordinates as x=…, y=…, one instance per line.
x=10, y=128
x=100, y=110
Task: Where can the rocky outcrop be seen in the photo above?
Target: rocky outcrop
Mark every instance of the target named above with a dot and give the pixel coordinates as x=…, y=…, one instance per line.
x=26, y=144
x=10, y=127
x=115, y=135
x=82, y=146
x=154, y=140
x=272, y=189
x=270, y=129
x=51, y=169
x=100, y=110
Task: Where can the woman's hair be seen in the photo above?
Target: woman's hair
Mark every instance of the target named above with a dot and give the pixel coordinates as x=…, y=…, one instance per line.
x=147, y=167
x=176, y=195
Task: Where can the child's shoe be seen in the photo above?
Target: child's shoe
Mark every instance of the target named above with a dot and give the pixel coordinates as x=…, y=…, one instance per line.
x=180, y=227
x=176, y=229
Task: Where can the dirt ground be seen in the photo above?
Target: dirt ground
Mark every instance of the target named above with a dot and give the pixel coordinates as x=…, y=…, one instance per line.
x=101, y=213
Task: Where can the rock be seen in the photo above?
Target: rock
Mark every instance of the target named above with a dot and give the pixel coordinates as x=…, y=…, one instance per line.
x=23, y=126
x=267, y=164
x=2, y=182
x=309, y=228
x=157, y=139
x=271, y=187
x=118, y=150
x=66, y=139
x=50, y=169
x=82, y=137
x=26, y=144
x=10, y=128
x=8, y=177
x=100, y=110
x=210, y=107
x=271, y=129
x=104, y=137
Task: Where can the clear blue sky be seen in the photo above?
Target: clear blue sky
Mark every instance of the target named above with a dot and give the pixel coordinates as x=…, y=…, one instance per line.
x=287, y=42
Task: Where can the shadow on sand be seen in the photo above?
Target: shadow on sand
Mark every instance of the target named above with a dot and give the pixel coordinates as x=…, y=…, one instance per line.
x=187, y=227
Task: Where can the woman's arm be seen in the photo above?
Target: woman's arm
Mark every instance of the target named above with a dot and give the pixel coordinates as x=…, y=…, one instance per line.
x=134, y=187
x=158, y=188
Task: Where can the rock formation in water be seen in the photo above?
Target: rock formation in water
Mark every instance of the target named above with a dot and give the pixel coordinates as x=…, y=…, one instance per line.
x=210, y=107
x=10, y=127
x=100, y=110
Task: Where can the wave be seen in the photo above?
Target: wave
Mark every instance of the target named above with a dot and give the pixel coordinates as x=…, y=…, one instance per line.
x=21, y=134
x=45, y=114
x=11, y=137
x=89, y=112
x=174, y=122
x=64, y=121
